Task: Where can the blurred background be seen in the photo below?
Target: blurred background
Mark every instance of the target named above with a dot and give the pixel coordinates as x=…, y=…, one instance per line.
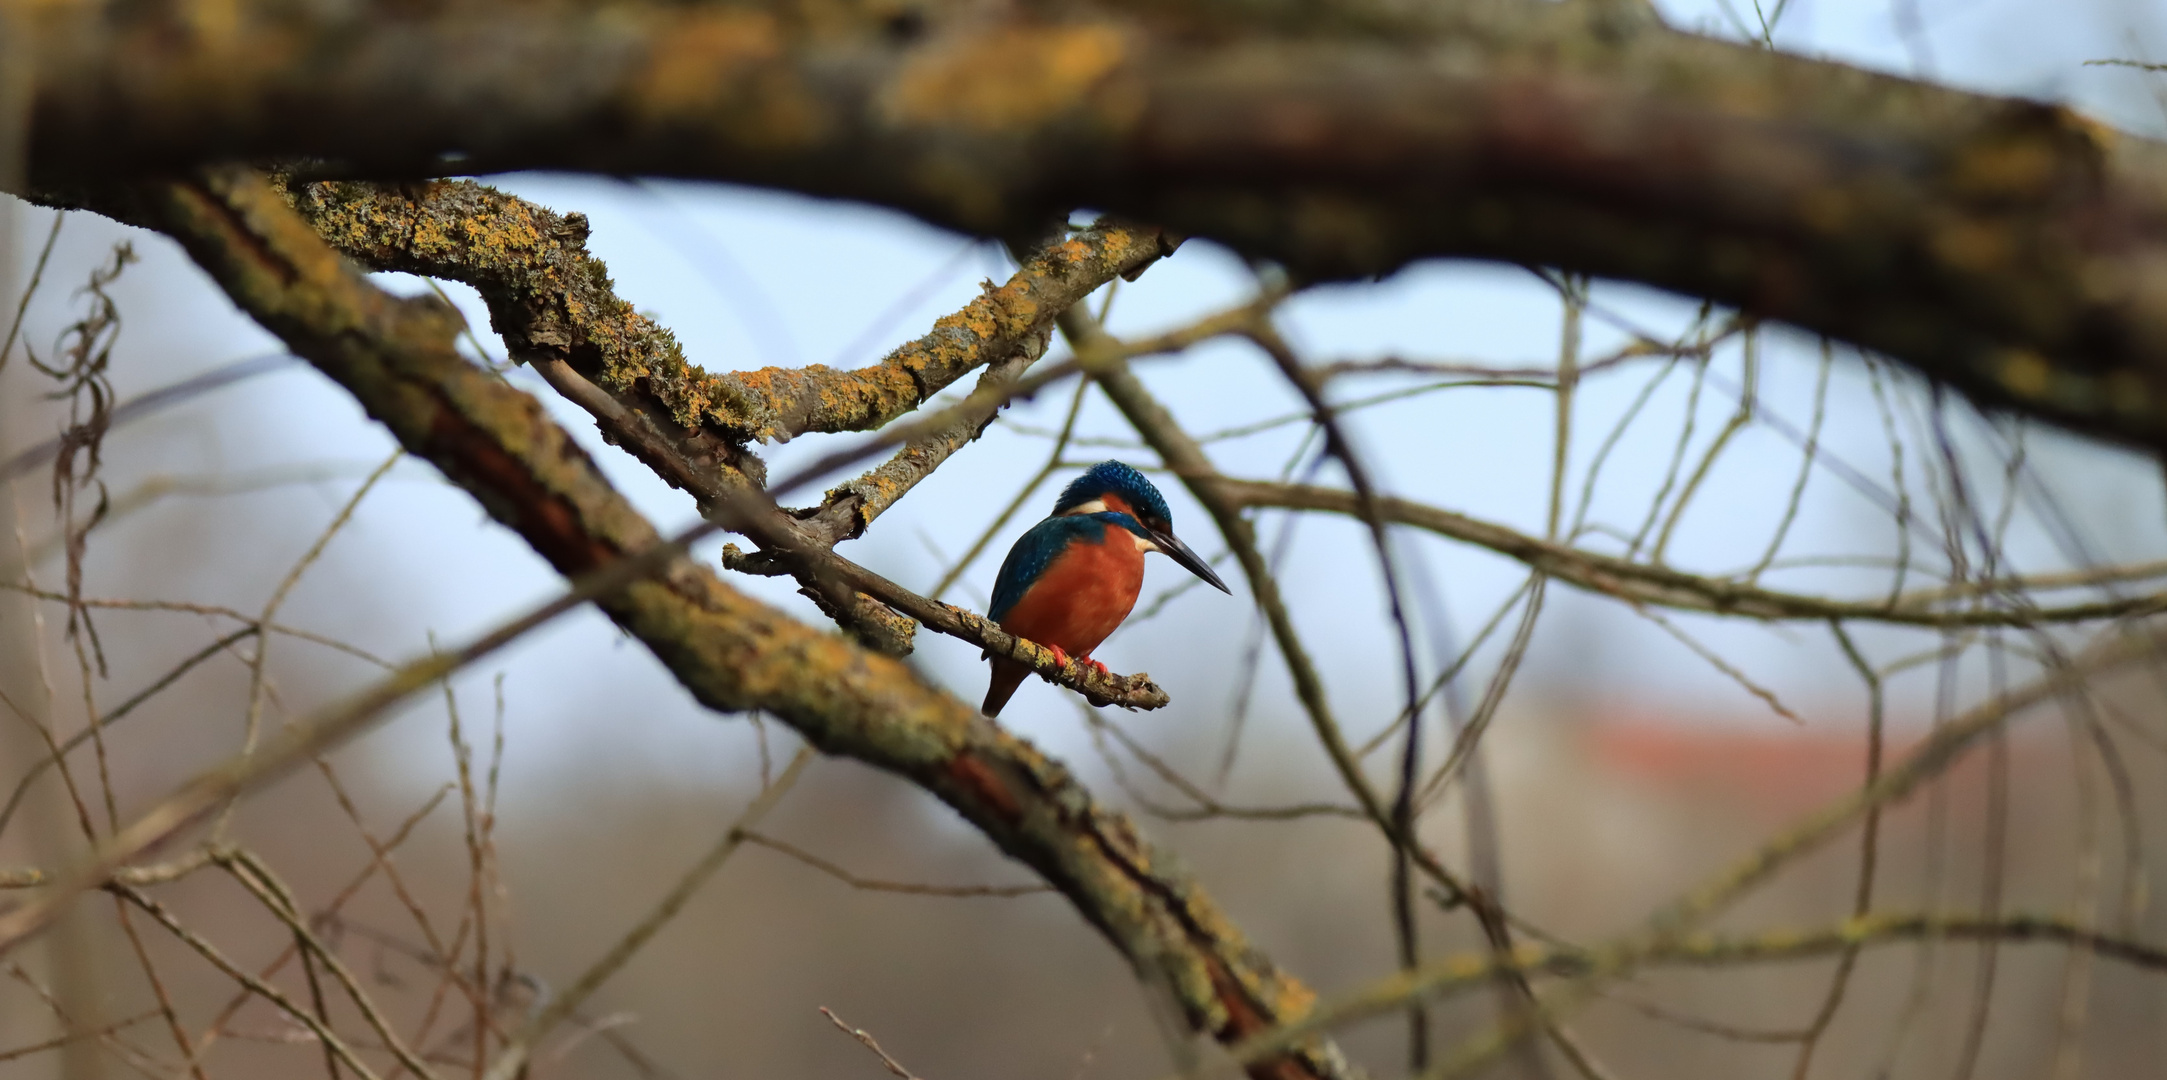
x=1633, y=753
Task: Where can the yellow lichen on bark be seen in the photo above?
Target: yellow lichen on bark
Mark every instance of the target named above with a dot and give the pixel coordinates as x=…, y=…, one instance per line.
x=547, y=294
x=2007, y=169
x=682, y=72
x=723, y=55
x=1972, y=246
x=1004, y=79
x=2026, y=374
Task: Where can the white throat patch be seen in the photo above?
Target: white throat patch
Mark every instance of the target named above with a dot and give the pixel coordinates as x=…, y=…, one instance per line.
x=1098, y=506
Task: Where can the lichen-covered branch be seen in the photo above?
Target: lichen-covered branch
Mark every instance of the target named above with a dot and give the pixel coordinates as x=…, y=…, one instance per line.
x=2007, y=247
x=398, y=359
x=555, y=307
x=856, y=597
x=848, y=509
x=548, y=296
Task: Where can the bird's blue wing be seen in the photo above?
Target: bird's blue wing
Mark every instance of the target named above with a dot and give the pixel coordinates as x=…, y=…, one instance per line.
x=1036, y=550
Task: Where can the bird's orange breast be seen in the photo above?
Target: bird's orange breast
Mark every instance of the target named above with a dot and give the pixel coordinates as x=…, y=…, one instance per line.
x=1082, y=596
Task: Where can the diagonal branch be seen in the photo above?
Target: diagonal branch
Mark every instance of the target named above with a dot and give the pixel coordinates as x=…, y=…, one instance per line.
x=398, y=359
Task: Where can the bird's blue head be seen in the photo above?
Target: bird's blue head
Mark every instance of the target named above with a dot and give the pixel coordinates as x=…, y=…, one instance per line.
x=1113, y=485
x=1116, y=487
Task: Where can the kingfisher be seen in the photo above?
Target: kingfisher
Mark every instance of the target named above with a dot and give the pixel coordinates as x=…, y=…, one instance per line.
x=1073, y=577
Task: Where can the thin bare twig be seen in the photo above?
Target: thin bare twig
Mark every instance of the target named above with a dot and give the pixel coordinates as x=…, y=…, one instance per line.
x=876, y=885
x=866, y=1039
x=232, y=971
x=512, y=1059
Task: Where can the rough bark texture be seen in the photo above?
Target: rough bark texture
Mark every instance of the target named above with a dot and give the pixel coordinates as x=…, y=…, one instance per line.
x=548, y=296
x=2011, y=248
x=397, y=358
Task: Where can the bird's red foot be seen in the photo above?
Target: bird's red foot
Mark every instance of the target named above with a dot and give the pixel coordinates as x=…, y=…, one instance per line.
x=1060, y=658
x=1098, y=667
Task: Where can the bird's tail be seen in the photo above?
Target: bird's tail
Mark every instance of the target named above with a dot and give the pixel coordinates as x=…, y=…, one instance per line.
x=1007, y=676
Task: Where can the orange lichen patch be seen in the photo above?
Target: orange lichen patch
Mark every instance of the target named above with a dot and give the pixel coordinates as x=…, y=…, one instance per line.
x=781, y=402
x=2102, y=137
x=701, y=53
x=510, y=237
x=545, y=292
x=1242, y=1018
x=975, y=776
x=1265, y=992
x=1076, y=253
x=551, y=523
x=1282, y=999
x=2008, y=168
x=1972, y=246
x=1004, y=79
x=2025, y=373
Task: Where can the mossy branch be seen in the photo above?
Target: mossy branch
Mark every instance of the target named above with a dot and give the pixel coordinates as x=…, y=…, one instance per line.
x=548, y=296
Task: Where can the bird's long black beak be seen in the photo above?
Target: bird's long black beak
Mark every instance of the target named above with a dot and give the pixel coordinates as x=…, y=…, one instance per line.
x=1179, y=552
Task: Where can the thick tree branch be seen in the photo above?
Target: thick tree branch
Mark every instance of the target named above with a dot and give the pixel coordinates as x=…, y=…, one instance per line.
x=397, y=358
x=2007, y=247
